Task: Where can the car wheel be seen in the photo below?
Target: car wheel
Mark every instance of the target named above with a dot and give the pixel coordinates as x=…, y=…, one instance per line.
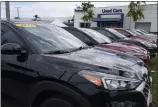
x=56, y=102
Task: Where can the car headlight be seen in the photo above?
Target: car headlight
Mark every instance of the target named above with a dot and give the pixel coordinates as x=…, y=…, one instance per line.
x=121, y=84
x=110, y=82
x=130, y=53
x=148, y=44
x=154, y=45
x=151, y=44
x=134, y=54
x=153, y=40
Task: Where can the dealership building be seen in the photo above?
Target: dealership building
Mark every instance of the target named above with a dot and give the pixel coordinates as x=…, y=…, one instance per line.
x=116, y=17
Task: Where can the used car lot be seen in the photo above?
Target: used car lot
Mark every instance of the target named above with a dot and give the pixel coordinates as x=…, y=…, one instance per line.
x=91, y=37
x=59, y=66
x=118, y=37
x=136, y=35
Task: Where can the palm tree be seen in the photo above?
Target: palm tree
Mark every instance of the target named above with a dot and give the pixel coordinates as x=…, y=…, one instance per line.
x=86, y=5
x=87, y=16
x=88, y=12
x=85, y=19
x=35, y=17
x=135, y=11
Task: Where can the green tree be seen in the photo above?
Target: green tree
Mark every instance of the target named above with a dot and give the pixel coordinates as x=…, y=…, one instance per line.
x=35, y=17
x=85, y=17
x=86, y=5
x=135, y=11
x=88, y=12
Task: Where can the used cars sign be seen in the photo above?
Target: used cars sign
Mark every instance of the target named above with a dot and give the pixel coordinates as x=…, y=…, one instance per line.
x=112, y=10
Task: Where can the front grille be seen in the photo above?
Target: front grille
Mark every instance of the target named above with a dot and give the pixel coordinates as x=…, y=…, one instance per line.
x=146, y=90
x=140, y=63
x=145, y=77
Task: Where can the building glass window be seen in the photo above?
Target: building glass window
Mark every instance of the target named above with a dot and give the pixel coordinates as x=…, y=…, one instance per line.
x=85, y=25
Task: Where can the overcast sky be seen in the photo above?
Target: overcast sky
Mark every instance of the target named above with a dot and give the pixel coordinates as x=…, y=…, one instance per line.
x=50, y=9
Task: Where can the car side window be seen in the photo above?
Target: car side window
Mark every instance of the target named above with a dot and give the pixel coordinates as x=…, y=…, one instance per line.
x=9, y=36
x=107, y=34
x=81, y=36
x=123, y=32
x=2, y=32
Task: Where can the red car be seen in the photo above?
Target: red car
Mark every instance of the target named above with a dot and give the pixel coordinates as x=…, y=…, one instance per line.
x=129, y=49
x=134, y=35
x=92, y=37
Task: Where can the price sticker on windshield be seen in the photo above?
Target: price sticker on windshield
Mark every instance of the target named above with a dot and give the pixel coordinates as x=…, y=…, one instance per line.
x=25, y=25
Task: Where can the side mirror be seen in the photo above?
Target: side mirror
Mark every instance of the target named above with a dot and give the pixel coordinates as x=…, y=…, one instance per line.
x=89, y=43
x=128, y=35
x=12, y=49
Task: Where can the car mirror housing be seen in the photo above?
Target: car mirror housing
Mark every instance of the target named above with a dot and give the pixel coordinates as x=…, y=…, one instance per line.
x=12, y=49
x=89, y=43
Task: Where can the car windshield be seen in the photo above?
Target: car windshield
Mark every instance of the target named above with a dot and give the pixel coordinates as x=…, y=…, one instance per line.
x=144, y=31
x=116, y=33
x=50, y=38
x=96, y=35
x=140, y=32
x=108, y=34
x=136, y=33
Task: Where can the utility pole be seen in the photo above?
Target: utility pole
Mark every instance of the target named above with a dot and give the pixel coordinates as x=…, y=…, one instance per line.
x=130, y=24
x=18, y=11
x=7, y=5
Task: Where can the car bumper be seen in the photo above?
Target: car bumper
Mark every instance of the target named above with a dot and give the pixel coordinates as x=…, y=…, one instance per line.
x=153, y=55
x=143, y=88
x=141, y=97
x=146, y=61
x=153, y=50
x=138, y=96
x=145, y=58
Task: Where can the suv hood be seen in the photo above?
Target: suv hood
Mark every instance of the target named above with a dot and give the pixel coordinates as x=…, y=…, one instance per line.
x=151, y=39
x=151, y=43
x=122, y=55
x=141, y=37
x=98, y=58
x=125, y=47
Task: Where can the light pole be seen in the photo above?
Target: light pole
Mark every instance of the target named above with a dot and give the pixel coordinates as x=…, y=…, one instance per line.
x=7, y=5
x=18, y=11
x=130, y=24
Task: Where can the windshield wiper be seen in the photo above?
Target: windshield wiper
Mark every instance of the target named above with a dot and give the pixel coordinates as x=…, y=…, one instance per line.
x=105, y=43
x=67, y=51
x=58, y=52
x=80, y=48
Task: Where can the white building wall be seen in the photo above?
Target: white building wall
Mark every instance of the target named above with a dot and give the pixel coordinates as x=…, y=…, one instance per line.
x=150, y=14
x=77, y=18
x=93, y=24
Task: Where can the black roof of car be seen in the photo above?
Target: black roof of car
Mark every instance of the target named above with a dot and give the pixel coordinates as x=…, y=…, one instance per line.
x=31, y=22
x=97, y=28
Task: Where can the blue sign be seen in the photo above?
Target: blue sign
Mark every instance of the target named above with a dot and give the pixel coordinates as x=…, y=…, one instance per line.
x=112, y=10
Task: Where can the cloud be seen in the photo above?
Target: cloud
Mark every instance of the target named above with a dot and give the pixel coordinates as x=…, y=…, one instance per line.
x=49, y=9
x=43, y=9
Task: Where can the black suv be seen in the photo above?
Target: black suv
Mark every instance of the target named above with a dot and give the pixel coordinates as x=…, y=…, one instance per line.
x=45, y=66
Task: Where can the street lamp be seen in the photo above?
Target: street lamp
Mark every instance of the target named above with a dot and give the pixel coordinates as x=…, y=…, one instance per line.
x=18, y=11
x=7, y=10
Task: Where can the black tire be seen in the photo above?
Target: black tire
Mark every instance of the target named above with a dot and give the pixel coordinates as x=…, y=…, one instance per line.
x=56, y=102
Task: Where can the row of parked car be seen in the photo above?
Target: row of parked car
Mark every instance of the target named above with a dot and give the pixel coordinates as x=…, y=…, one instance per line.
x=44, y=65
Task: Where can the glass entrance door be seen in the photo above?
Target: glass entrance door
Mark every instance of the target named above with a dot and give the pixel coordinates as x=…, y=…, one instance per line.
x=110, y=24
